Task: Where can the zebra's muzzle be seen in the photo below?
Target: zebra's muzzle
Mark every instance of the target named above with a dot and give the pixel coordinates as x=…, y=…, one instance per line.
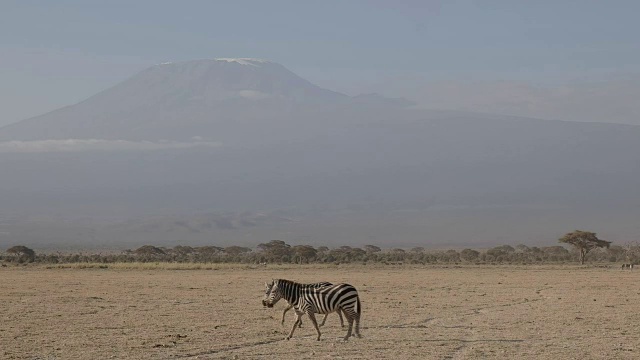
x=264, y=303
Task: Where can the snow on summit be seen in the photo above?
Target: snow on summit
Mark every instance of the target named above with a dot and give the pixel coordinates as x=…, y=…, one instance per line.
x=241, y=61
x=244, y=61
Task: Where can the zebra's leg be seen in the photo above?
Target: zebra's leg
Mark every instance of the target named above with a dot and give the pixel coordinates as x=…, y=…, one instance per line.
x=357, y=312
x=312, y=316
x=358, y=326
x=350, y=321
x=285, y=311
x=327, y=315
x=299, y=315
x=299, y=322
x=324, y=320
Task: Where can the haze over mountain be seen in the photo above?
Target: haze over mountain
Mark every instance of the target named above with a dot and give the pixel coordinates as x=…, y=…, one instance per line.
x=244, y=151
x=178, y=101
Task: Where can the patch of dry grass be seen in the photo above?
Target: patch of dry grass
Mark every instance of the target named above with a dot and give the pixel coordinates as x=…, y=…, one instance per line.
x=155, y=310
x=146, y=266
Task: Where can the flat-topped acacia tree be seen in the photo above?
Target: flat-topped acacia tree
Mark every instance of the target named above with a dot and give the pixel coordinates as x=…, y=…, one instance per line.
x=584, y=241
x=23, y=253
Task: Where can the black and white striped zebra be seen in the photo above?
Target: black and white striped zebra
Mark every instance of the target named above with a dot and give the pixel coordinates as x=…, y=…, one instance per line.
x=313, y=285
x=311, y=301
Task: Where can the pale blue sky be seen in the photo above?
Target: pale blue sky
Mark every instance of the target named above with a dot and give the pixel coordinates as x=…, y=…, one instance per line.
x=55, y=53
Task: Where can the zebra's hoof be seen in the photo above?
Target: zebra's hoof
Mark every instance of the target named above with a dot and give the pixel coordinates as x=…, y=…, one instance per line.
x=287, y=338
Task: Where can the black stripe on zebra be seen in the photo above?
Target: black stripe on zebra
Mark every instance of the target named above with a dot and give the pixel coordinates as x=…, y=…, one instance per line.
x=316, y=286
x=311, y=301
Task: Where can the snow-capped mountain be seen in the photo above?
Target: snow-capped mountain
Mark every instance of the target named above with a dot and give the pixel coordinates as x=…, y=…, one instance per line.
x=177, y=101
x=231, y=78
x=227, y=136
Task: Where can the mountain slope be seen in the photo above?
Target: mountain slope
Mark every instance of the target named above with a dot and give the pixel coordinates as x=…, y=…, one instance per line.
x=342, y=170
x=177, y=101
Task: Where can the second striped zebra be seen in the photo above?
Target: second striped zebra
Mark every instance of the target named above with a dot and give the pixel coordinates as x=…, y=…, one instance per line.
x=317, y=285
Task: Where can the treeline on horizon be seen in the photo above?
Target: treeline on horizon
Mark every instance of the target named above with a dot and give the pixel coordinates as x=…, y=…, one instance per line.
x=279, y=252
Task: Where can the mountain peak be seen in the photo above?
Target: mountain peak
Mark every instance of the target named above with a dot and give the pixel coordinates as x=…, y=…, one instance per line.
x=179, y=100
x=245, y=61
x=242, y=61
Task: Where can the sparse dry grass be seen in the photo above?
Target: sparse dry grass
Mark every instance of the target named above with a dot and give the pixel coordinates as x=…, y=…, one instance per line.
x=154, y=311
x=191, y=266
x=150, y=266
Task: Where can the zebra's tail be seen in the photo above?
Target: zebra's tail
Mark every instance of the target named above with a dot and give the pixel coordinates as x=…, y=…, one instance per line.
x=358, y=306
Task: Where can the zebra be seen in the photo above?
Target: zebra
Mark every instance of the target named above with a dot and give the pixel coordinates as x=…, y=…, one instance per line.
x=311, y=301
x=627, y=266
x=314, y=285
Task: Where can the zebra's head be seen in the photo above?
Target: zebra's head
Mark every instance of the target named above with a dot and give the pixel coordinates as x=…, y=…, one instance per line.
x=272, y=294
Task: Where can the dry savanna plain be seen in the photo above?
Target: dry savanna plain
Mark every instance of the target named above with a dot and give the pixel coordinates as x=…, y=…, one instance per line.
x=409, y=312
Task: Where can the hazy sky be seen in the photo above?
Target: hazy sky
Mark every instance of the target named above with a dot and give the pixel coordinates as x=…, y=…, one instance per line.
x=575, y=60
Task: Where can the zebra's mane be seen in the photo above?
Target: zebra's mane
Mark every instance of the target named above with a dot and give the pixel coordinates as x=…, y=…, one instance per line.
x=286, y=282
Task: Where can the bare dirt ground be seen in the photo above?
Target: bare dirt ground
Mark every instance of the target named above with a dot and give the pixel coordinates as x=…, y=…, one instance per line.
x=408, y=312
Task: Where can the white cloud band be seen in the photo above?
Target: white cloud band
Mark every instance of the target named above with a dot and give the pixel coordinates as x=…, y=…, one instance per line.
x=84, y=145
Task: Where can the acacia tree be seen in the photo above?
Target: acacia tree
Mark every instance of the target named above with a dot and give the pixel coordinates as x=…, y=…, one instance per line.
x=469, y=254
x=417, y=249
x=149, y=250
x=209, y=250
x=370, y=249
x=235, y=250
x=304, y=253
x=23, y=253
x=276, y=250
x=584, y=241
x=632, y=251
